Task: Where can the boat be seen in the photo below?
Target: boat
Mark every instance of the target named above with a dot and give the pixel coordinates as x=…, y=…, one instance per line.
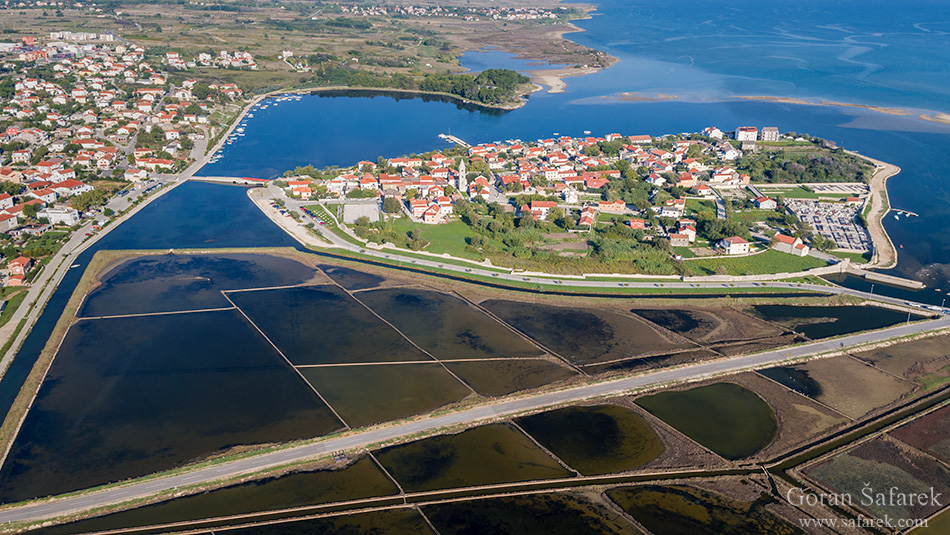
x=586, y=132
x=897, y=218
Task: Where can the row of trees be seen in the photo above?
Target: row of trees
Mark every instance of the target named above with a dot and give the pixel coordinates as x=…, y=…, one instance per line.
x=494, y=86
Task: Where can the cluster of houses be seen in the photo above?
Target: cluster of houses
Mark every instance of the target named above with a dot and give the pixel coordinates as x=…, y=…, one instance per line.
x=467, y=13
x=224, y=59
x=108, y=114
x=559, y=169
x=112, y=94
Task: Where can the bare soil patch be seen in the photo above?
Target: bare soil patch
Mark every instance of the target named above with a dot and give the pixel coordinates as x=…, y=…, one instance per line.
x=852, y=387
x=930, y=433
x=912, y=360
x=709, y=325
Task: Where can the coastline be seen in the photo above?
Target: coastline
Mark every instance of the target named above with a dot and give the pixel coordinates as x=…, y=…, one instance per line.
x=935, y=117
x=554, y=78
x=884, y=255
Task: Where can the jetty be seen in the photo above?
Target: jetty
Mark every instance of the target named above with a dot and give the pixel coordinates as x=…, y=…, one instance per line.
x=458, y=141
x=905, y=213
x=883, y=278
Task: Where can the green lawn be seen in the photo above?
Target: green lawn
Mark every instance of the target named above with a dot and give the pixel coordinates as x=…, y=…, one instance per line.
x=685, y=252
x=14, y=298
x=768, y=262
x=788, y=193
x=695, y=205
x=448, y=238
x=857, y=258
x=751, y=216
x=619, y=288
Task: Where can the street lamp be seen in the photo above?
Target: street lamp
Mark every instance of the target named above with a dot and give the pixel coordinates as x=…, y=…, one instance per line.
x=872, y=288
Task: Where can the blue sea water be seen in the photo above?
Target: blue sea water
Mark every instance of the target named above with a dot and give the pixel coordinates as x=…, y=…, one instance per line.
x=704, y=54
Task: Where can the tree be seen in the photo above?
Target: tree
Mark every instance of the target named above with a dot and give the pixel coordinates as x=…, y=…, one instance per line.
x=391, y=205
x=30, y=210
x=411, y=193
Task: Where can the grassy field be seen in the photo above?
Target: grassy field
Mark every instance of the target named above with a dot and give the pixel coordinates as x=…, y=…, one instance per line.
x=685, y=252
x=751, y=216
x=788, y=193
x=856, y=258
x=14, y=299
x=448, y=238
x=767, y=262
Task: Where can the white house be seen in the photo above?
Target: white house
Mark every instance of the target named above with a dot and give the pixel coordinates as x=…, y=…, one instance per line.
x=747, y=133
x=765, y=203
x=733, y=245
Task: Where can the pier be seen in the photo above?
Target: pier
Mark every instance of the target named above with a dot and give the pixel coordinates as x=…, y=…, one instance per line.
x=456, y=140
x=886, y=279
x=905, y=213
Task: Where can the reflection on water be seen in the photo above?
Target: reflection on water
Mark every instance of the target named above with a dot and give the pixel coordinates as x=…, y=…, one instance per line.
x=822, y=322
x=727, y=418
x=362, y=479
x=130, y=396
x=324, y=325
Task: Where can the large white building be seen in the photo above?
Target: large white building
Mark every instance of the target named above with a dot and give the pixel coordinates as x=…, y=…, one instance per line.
x=747, y=133
x=60, y=215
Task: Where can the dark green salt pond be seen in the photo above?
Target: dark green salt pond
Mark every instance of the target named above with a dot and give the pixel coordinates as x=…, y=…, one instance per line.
x=595, y=440
x=446, y=326
x=365, y=395
x=684, y=510
x=727, y=418
x=351, y=279
x=541, y=514
x=582, y=336
x=496, y=453
x=822, y=322
x=324, y=325
x=362, y=479
x=127, y=397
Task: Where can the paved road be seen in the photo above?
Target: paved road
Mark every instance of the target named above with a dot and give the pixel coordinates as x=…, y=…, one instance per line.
x=362, y=439
x=476, y=268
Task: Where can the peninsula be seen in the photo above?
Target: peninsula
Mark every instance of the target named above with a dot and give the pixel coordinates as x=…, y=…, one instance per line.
x=706, y=204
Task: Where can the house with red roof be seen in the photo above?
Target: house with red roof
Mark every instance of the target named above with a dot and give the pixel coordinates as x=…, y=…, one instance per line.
x=20, y=265
x=432, y=215
x=588, y=215
x=615, y=207
x=8, y=222
x=790, y=245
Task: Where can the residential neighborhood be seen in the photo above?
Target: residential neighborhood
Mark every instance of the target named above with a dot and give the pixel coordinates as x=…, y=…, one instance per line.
x=663, y=202
x=84, y=117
